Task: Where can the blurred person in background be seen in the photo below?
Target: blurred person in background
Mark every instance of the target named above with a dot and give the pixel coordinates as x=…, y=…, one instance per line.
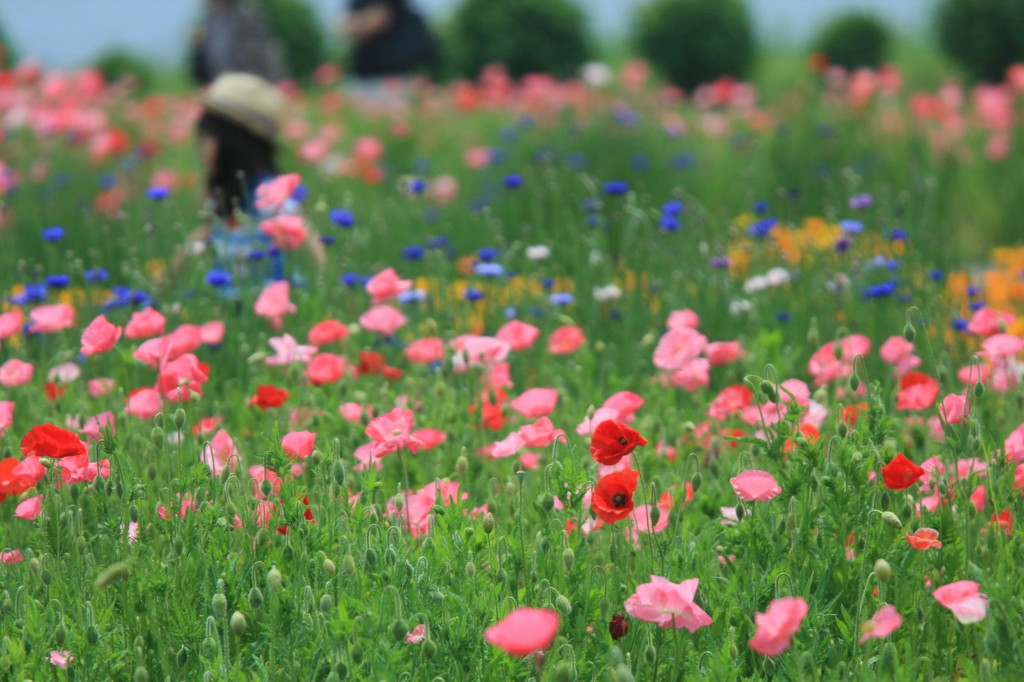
x=390, y=41
x=234, y=37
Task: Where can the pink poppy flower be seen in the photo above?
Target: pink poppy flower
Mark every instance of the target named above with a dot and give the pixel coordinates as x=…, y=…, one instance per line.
x=186, y=338
x=677, y=348
x=50, y=318
x=641, y=517
x=181, y=379
x=1002, y=346
x=918, y=391
x=272, y=194
x=10, y=323
x=885, y=621
x=274, y=302
x=825, y=367
x=61, y=658
x=899, y=353
x=326, y=368
x=260, y=473
x=16, y=372
x=777, y=625
x=541, y=433
x=565, y=340
x=536, y=402
x=382, y=319
x=287, y=350
x=386, y=285
x=6, y=415
x=524, y=631
x=391, y=432
x=351, y=412
x=220, y=452
x=429, y=438
x=953, y=408
x=99, y=336
x=425, y=351
x=682, y=319
x=754, y=485
x=986, y=322
x=417, y=634
x=12, y=556
x=668, y=604
x=924, y=538
x=692, y=375
x=978, y=498
x=326, y=332
x=730, y=400
x=100, y=387
x=65, y=373
x=288, y=231
x=30, y=508
x=443, y=189
x=144, y=324
x=298, y=443
x=723, y=352
x=144, y=403
x=96, y=426
x=480, y=351
x=964, y=600
x=518, y=335
x=212, y=333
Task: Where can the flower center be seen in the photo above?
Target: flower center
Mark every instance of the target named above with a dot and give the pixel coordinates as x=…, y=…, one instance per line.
x=619, y=500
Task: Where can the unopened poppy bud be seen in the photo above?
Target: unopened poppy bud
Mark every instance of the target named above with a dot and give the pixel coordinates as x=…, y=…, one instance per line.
x=546, y=501
x=543, y=544
x=568, y=558
x=791, y=521
x=979, y=389
x=650, y=654
x=59, y=635
x=688, y=427
x=179, y=419
x=890, y=519
x=219, y=604
x=488, y=523
x=564, y=672
x=81, y=544
x=563, y=605
x=329, y=567
x=274, y=578
x=842, y=429
x=470, y=570
x=266, y=487
x=741, y=511
x=348, y=564
x=112, y=573
x=238, y=624
x=623, y=673
x=181, y=658
x=888, y=657
x=399, y=629
x=909, y=331
x=883, y=570
x=854, y=382
x=462, y=464
x=429, y=648
x=370, y=556
x=92, y=635
x=655, y=516
x=34, y=565
x=338, y=471
x=770, y=391
x=327, y=603
x=356, y=652
x=157, y=436
x=604, y=606
x=158, y=420
x=390, y=556
x=813, y=336
x=209, y=647
x=502, y=576
x=141, y=675
x=255, y=598
x=521, y=475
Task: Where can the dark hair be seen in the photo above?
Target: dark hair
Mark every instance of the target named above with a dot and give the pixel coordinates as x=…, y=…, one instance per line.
x=243, y=160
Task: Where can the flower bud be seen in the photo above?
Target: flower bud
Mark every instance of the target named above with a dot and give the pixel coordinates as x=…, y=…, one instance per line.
x=92, y=635
x=564, y=672
x=59, y=635
x=112, y=573
x=568, y=558
x=909, y=331
x=348, y=564
x=157, y=436
x=209, y=647
x=219, y=603
x=488, y=523
x=399, y=629
x=255, y=598
x=470, y=570
x=883, y=570
x=181, y=658
x=462, y=464
x=179, y=419
x=274, y=578
x=546, y=501
x=695, y=482
x=327, y=603
x=329, y=567
x=141, y=675
x=890, y=519
x=979, y=389
x=563, y=605
x=238, y=624
x=338, y=471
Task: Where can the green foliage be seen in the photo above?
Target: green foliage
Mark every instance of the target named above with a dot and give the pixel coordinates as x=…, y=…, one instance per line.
x=117, y=64
x=984, y=36
x=854, y=41
x=8, y=56
x=528, y=36
x=695, y=41
x=302, y=38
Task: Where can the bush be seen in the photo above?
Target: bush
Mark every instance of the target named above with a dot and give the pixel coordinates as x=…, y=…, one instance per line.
x=528, y=36
x=854, y=41
x=117, y=63
x=8, y=57
x=298, y=28
x=696, y=41
x=985, y=36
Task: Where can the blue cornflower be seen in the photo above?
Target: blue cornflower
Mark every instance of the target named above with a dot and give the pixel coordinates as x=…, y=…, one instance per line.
x=672, y=207
x=960, y=324
x=218, y=278
x=488, y=269
x=350, y=279
x=640, y=163
x=898, y=235
x=256, y=254
x=157, y=193
x=58, y=281
x=762, y=227
x=616, y=187
x=683, y=161
x=760, y=207
x=327, y=239
x=536, y=311
x=417, y=185
x=473, y=294
x=107, y=180
x=53, y=234
x=879, y=290
x=861, y=201
x=513, y=180
x=842, y=244
x=892, y=264
x=300, y=193
x=342, y=217
x=438, y=242
x=973, y=290
x=561, y=298
x=412, y=296
x=719, y=262
x=975, y=306
x=783, y=316
x=669, y=223
x=413, y=252
x=576, y=161
x=547, y=283
x=851, y=226
x=31, y=294
x=97, y=275
x=510, y=312
x=487, y=253
x=936, y=275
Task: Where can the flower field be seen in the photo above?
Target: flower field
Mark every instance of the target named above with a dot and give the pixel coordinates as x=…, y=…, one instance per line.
x=599, y=381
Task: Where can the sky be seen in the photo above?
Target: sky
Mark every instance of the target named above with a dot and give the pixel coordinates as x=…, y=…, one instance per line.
x=69, y=33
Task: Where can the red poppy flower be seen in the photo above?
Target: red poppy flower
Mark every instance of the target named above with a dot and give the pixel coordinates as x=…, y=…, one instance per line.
x=618, y=626
x=612, y=441
x=53, y=391
x=901, y=473
x=47, y=440
x=924, y=538
x=268, y=396
x=11, y=481
x=371, y=362
x=613, y=495
x=851, y=412
x=1004, y=519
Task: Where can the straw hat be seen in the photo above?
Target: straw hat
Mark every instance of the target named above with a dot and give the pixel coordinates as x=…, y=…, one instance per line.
x=248, y=100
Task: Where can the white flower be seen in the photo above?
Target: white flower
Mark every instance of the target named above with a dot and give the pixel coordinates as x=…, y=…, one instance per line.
x=606, y=293
x=740, y=306
x=538, y=252
x=596, y=257
x=755, y=284
x=65, y=373
x=777, y=276
x=596, y=74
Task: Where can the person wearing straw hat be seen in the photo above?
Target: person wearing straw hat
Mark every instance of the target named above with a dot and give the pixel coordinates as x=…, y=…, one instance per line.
x=238, y=135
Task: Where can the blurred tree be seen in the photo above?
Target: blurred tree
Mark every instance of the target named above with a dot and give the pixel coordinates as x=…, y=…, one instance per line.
x=854, y=41
x=302, y=37
x=985, y=36
x=696, y=41
x=8, y=57
x=117, y=64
